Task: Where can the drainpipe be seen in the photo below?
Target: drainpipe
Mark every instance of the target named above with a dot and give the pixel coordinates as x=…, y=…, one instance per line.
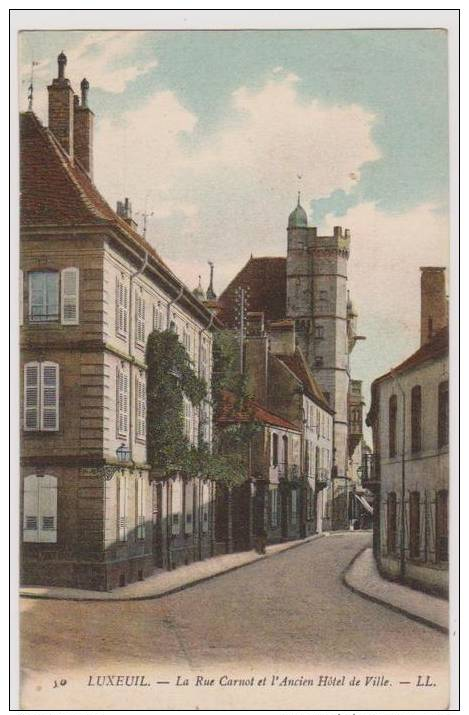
x=131, y=342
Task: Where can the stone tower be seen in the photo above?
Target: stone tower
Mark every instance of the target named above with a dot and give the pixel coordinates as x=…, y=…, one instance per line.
x=317, y=301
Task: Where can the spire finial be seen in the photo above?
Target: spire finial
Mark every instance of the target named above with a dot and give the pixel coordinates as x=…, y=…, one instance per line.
x=62, y=61
x=211, y=295
x=299, y=197
x=84, y=85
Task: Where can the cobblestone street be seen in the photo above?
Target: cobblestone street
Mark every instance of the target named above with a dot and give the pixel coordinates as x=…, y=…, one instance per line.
x=289, y=612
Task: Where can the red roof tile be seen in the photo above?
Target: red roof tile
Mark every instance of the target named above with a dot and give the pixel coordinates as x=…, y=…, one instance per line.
x=433, y=349
x=298, y=366
x=267, y=283
x=252, y=410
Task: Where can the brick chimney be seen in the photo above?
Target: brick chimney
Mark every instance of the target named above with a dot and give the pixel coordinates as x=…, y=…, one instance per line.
x=61, y=108
x=124, y=210
x=433, y=303
x=83, y=129
x=282, y=337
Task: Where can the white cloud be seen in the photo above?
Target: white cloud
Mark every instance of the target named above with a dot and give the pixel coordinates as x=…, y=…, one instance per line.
x=228, y=193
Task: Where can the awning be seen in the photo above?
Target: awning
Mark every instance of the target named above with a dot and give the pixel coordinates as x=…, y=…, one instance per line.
x=364, y=503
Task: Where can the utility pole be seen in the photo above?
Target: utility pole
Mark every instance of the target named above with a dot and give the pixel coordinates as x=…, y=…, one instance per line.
x=403, y=475
x=242, y=300
x=31, y=86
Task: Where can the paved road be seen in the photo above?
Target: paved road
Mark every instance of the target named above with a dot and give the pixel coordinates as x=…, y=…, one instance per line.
x=291, y=610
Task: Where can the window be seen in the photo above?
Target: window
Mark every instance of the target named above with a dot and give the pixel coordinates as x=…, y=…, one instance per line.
x=186, y=339
x=392, y=523
x=307, y=461
x=41, y=396
x=140, y=507
x=20, y=298
x=139, y=319
x=43, y=296
x=392, y=425
x=187, y=425
x=294, y=506
x=140, y=407
x=158, y=317
x=274, y=507
x=204, y=362
x=319, y=332
x=40, y=509
x=122, y=507
x=205, y=507
x=274, y=449
x=122, y=402
x=443, y=414
x=416, y=418
x=176, y=507
x=318, y=361
x=442, y=526
x=122, y=308
x=69, y=300
x=204, y=425
x=414, y=518
x=285, y=450
x=189, y=508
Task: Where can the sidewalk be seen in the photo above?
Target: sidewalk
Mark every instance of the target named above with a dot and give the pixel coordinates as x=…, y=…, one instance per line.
x=362, y=577
x=164, y=582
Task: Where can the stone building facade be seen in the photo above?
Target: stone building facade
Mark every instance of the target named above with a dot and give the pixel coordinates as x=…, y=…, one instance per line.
x=409, y=416
x=93, y=514
x=309, y=287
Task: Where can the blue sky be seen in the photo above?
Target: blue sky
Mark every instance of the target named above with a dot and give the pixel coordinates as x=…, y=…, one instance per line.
x=210, y=130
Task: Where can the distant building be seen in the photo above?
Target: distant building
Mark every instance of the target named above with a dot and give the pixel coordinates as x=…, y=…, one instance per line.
x=309, y=287
x=409, y=471
x=94, y=514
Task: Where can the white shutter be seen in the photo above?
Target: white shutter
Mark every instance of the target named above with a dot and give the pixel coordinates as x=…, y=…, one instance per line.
x=69, y=301
x=176, y=506
x=31, y=396
x=20, y=301
x=122, y=307
x=122, y=508
x=30, y=509
x=49, y=396
x=47, y=509
x=140, y=398
x=125, y=405
x=205, y=507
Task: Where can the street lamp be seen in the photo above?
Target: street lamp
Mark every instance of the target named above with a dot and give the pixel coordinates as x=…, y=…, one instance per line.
x=403, y=484
x=123, y=453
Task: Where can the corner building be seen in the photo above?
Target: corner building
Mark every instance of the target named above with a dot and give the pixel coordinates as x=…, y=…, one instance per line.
x=92, y=289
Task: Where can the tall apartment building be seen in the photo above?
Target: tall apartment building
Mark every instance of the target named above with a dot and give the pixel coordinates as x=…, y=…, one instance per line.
x=92, y=289
x=309, y=287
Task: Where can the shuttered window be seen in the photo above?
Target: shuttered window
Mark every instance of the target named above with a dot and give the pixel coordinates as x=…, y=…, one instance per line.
x=139, y=319
x=140, y=407
x=158, y=317
x=41, y=396
x=392, y=425
x=69, y=298
x=189, y=508
x=122, y=402
x=205, y=507
x=416, y=418
x=442, y=526
x=140, y=507
x=40, y=509
x=43, y=296
x=443, y=413
x=187, y=419
x=414, y=525
x=294, y=506
x=176, y=506
x=274, y=507
x=122, y=308
x=122, y=508
x=392, y=523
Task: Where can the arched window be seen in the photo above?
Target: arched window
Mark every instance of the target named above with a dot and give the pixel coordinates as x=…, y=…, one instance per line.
x=392, y=523
x=416, y=418
x=392, y=425
x=40, y=509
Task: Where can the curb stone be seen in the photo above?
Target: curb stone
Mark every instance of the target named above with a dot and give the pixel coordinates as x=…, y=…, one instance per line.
x=375, y=599
x=173, y=589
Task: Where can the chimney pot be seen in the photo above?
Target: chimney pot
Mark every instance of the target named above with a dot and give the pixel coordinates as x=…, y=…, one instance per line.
x=433, y=302
x=85, y=85
x=61, y=61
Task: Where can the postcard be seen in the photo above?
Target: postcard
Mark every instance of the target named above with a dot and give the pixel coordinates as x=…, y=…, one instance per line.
x=234, y=390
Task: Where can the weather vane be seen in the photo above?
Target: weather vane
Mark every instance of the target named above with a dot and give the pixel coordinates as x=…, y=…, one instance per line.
x=31, y=86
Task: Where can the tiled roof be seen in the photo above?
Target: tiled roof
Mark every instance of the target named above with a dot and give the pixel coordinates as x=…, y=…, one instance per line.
x=252, y=410
x=56, y=192
x=298, y=366
x=266, y=279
